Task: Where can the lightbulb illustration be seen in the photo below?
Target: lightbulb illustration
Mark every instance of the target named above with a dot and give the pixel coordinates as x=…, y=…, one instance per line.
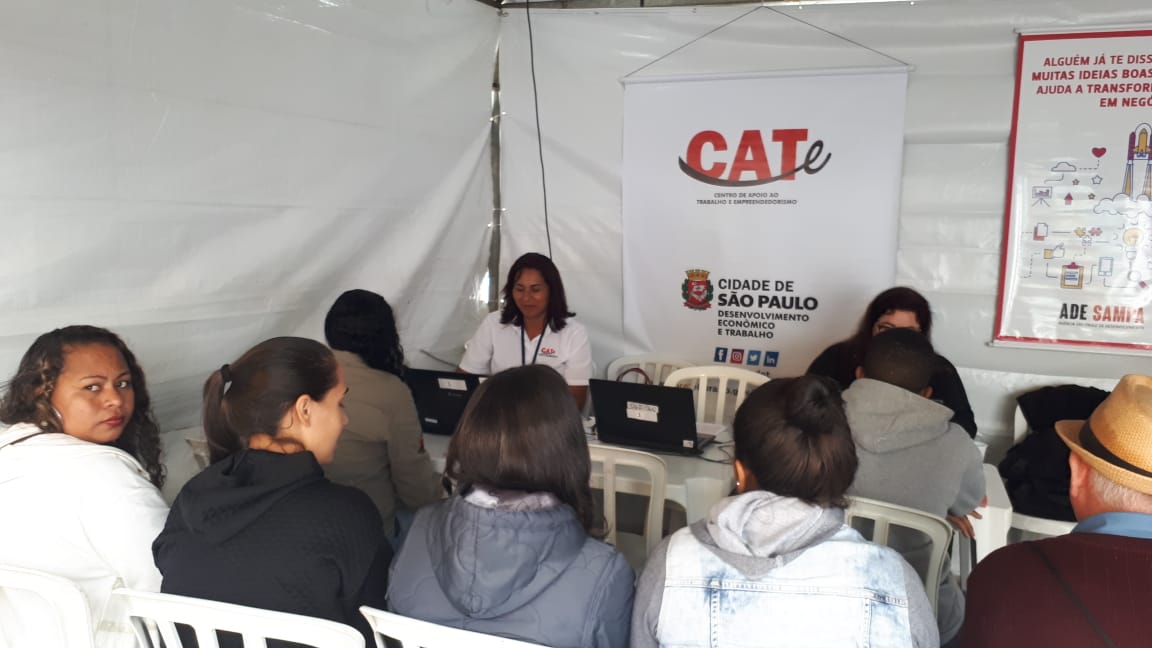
x=1131, y=239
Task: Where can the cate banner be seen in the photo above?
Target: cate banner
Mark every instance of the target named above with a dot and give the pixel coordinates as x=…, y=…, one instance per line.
x=1077, y=262
x=760, y=212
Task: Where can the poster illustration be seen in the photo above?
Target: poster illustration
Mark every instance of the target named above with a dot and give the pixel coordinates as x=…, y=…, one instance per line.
x=759, y=212
x=1077, y=263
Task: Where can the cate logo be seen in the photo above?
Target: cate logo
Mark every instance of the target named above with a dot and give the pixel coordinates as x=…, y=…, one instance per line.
x=696, y=291
x=721, y=354
x=737, y=356
x=771, y=358
x=548, y=352
x=753, y=358
x=750, y=158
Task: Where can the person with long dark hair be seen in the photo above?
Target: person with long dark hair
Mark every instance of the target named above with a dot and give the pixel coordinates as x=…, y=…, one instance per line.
x=382, y=450
x=262, y=526
x=516, y=551
x=79, y=472
x=775, y=565
x=534, y=327
x=898, y=307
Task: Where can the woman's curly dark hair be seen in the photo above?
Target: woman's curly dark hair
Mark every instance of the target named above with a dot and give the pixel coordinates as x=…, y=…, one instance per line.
x=361, y=322
x=27, y=398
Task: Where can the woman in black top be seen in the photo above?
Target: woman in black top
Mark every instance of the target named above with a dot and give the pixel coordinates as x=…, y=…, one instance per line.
x=898, y=307
x=262, y=526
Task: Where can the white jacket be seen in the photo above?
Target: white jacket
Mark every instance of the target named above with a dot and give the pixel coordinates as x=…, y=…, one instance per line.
x=80, y=510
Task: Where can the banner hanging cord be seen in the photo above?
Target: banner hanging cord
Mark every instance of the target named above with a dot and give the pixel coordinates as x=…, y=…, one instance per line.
x=841, y=37
x=744, y=15
x=701, y=36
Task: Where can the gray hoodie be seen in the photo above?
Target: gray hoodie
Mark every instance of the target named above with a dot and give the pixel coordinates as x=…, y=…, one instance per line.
x=533, y=575
x=755, y=533
x=912, y=455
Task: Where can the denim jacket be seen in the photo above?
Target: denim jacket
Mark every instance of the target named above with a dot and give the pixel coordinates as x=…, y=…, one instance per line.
x=765, y=570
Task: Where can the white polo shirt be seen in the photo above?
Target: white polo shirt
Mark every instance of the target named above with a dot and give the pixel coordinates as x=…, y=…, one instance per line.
x=496, y=347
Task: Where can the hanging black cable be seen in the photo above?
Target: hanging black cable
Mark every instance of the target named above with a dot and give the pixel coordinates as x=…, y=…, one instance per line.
x=539, y=137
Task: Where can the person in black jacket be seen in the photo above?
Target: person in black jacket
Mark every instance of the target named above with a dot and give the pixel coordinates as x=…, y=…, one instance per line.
x=262, y=526
x=898, y=307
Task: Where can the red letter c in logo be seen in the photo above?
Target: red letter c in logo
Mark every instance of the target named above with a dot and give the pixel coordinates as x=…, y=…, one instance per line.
x=696, y=147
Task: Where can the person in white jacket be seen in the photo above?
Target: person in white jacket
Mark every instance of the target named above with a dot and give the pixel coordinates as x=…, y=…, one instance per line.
x=79, y=473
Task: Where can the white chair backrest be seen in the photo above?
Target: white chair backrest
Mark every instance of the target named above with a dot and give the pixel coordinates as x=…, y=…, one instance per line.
x=154, y=616
x=655, y=365
x=32, y=598
x=612, y=457
x=885, y=515
x=1019, y=426
x=699, y=378
x=414, y=633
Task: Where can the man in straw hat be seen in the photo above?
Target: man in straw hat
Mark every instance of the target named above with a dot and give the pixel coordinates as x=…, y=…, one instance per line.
x=1092, y=587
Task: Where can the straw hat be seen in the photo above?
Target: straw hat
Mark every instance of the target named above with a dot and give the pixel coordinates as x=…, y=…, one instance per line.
x=1116, y=440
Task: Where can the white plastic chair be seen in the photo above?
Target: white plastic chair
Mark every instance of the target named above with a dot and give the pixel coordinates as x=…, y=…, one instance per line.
x=699, y=378
x=885, y=515
x=25, y=592
x=154, y=616
x=1030, y=523
x=635, y=549
x=415, y=633
x=655, y=365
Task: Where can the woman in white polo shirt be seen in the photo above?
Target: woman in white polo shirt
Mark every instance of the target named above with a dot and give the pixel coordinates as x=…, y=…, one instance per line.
x=535, y=327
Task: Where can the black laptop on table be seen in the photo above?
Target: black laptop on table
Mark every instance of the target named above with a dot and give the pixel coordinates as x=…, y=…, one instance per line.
x=654, y=417
x=440, y=397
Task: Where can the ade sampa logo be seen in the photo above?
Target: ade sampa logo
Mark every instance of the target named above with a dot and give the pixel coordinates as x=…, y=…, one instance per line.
x=751, y=157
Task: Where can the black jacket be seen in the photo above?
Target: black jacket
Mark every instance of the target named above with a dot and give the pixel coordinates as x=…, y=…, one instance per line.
x=268, y=530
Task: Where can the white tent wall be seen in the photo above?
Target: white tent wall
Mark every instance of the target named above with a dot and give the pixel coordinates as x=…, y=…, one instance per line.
x=199, y=176
x=955, y=168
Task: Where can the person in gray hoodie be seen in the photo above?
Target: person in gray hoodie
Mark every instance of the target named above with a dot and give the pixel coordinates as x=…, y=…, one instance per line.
x=516, y=551
x=775, y=565
x=910, y=453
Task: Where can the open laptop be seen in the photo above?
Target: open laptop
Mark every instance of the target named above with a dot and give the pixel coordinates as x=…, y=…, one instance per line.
x=440, y=397
x=647, y=416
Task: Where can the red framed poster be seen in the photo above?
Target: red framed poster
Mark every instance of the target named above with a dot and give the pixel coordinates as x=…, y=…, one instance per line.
x=1077, y=263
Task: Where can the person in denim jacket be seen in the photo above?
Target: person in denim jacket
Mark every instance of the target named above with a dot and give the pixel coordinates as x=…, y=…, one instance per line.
x=775, y=565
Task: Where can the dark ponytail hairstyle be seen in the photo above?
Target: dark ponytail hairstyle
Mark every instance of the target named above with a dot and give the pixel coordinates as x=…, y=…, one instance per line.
x=361, y=322
x=792, y=434
x=251, y=395
x=28, y=397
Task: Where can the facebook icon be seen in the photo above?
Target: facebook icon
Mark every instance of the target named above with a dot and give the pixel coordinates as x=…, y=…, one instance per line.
x=721, y=355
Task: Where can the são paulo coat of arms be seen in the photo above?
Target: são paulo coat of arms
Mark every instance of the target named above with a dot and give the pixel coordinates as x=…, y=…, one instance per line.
x=697, y=290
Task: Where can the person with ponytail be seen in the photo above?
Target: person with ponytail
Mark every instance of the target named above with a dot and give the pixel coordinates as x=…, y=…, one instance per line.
x=382, y=449
x=262, y=526
x=777, y=556
x=79, y=473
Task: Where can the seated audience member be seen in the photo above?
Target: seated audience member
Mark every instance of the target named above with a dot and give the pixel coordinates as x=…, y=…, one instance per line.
x=909, y=452
x=79, y=472
x=381, y=451
x=533, y=327
x=1090, y=587
x=898, y=307
x=262, y=526
x=515, y=552
x=777, y=557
